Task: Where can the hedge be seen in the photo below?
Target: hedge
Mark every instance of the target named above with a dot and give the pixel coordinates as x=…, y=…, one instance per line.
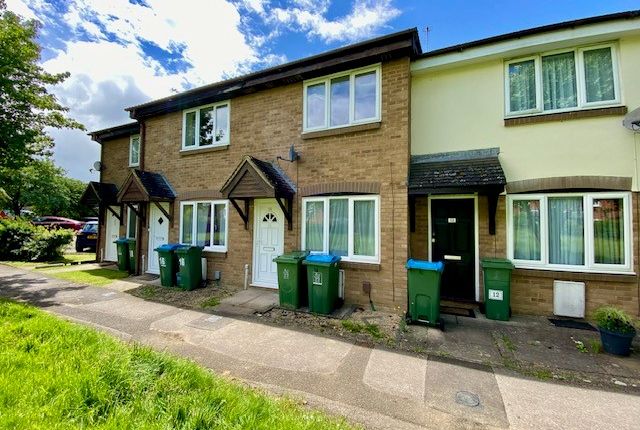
x=23, y=241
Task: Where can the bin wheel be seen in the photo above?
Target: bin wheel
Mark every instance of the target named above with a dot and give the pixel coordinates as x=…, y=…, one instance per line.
x=407, y=318
x=440, y=324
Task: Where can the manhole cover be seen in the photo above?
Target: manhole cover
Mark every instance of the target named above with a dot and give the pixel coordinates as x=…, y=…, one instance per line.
x=466, y=398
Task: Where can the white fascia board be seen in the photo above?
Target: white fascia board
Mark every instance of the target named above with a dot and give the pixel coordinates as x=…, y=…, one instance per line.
x=530, y=44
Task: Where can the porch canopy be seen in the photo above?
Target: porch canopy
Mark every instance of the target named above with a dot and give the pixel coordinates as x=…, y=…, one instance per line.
x=147, y=187
x=101, y=195
x=460, y=172
x=255, y=178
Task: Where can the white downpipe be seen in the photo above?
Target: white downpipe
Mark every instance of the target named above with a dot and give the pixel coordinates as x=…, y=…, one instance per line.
x=246, y=276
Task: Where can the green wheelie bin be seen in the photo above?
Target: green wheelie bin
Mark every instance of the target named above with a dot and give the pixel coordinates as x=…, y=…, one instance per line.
x=322, y=282
x=496, y=274
x=132, y=256
x=122, y=245
x=423, y=289
x=189, y=265
x=292, y=280
x=168, y=264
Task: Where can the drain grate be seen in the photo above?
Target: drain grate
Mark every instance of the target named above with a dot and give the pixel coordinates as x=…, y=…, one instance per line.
x=466, y=398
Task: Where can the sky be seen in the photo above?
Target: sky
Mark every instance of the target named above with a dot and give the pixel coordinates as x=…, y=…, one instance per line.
x=124, y=52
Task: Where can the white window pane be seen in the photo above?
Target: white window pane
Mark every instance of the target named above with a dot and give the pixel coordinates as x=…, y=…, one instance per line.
x=315, y=105
x=132, y=222
x=135, y=150
x=608, y=231
x=207, y=124
x=219, y=224
x=365, y=95
x=222, y=123
x=314, y=226
x=566, y=231
x=598, y=73
x=190, y=129
x=522, y=86
x=339, y=101
x=338, y=226
x=526, y=230
x=187, y=224
x=364, y=228
x=203, y=225
x=559, y=81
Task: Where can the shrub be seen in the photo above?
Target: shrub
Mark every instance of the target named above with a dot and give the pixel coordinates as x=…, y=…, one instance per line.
x=14, y=234
x=21, y=240
x=47, y=245
x=614, y=319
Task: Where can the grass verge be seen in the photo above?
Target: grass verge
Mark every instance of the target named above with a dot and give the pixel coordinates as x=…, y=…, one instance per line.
x=97, y=277
x=71, y=258
x=54, y=374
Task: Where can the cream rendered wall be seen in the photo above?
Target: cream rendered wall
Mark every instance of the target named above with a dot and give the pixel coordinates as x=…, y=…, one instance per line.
x=463, y=108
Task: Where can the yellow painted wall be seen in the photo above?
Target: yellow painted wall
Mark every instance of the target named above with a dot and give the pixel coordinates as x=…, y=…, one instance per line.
x=463, y=108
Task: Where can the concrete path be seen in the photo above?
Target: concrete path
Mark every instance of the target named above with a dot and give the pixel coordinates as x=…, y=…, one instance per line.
x=377, y=388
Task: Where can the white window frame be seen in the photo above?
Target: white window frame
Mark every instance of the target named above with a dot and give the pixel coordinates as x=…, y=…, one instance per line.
x=129, y=213
x=590, y=264
x=194, y=203
x=581, y=91
x=197, y=110
x=131, y=139
x=327, y=95
x=375, y=259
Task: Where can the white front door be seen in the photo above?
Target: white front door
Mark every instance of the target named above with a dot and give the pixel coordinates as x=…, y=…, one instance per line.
x=158, y=235
x=111, y=233
x=268, y=242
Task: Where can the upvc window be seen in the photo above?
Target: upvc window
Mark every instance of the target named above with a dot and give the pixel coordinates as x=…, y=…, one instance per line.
x=562, y=81
x=576, y=231
x=205, y=223
x=347, y=226
x=206, y=126
x=134, y=150
x=343, y=99
x=132, y=222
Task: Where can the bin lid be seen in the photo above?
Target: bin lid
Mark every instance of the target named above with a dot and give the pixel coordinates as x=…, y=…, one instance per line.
x=131, y=239
x=322, y=259
x=437, y=266
x=167, y=247
x=291, y=257
x=496, y=263
x=184, y=249
x=121, y=240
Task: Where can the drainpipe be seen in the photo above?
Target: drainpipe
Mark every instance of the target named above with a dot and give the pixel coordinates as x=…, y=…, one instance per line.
x=246, y=276
x=141, y=210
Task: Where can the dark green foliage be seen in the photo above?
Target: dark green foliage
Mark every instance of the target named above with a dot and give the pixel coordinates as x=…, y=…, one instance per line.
x=614, y=319
x=23, y=241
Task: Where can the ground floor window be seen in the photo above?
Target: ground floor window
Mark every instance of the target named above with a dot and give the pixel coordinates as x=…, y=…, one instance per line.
x=204, y=224
x=132, y=222
x=347, y=226
x=574, y=231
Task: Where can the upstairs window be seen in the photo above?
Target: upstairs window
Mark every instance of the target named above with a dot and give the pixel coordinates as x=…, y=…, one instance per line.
x=562, y=81
x=134, y=151
x=206, y=126
x=343, y=99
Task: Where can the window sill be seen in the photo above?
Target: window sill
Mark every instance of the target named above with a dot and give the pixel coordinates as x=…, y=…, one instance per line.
x=574, y=275
x=200, y=150
x=564, y=116
x=133, y=166
x=360, y=265
x=213, y=253
x=341, y=130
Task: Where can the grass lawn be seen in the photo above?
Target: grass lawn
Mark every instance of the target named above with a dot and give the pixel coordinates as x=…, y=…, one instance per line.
x=57, y=375
x=97, y=277
x=76, y=257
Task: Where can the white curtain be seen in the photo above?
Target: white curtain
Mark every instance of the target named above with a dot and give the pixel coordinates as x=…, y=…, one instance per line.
x=566, y=231
x=608, y=231
x=338, y=226
x=364, y=227
x=203, y=227
x=187, y=224
x=526, y=230
x=598, y=73
x=314, y=225
x=559, y=81
x=219, y=224
x=522, y=86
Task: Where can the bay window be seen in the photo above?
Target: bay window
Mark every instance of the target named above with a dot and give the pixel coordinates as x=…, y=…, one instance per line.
x=206, y=126
x=577, y=231
x=347, y=226
x=204, y=224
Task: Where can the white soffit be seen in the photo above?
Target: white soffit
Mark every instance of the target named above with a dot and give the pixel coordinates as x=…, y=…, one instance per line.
x=517, y=47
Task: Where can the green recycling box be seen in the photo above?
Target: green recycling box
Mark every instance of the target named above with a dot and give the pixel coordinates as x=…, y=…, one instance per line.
x=292, y=279
x=497, y=287
x=122, y=245
x=190, y=266
x=132, y=256
x=322, y=281
x=168, y=264
x=423, y=289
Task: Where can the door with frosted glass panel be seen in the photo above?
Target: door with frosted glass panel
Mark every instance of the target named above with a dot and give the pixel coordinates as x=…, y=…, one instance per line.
x=268, y=238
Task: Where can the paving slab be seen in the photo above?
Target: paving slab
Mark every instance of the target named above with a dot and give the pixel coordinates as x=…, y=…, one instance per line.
x=400, y=375
x=129, y=307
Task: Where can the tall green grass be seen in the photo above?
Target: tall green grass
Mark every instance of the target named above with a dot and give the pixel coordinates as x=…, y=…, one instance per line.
x=57, y=375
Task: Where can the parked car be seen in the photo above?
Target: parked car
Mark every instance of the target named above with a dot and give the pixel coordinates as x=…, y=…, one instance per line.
x=55, y=222
x=87, y=237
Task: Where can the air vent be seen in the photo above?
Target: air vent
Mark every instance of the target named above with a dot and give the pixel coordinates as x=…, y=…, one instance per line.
x=568, y=299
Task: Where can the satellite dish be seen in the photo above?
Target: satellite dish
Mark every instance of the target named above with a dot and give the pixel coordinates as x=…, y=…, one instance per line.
x=632, y=120
x=97, y=166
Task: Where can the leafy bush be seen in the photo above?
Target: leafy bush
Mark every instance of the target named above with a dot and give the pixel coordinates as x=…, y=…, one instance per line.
x=21, y=240
x=614, y=319
x=47, y=245
x=14, y=234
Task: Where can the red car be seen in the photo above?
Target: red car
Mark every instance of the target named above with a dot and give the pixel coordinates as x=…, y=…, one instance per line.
x=55, y=222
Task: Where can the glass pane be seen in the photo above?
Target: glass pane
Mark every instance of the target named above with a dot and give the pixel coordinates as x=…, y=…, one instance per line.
x=222, y=123
x=315, y=105
x=190, y=129
x=133, y=218
x=559, y=81
x=219, y=224
x=566, y=230
x=364, y=228
x=340, y=101
x=608, y=231
x=203, y=226
x=598, y=74
x=314, y=226
x=187, y=224
x=338, y=226
x=526, y=230
x=206, y=126
x=522, y=86
x=365, y=95
x=135, y=150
